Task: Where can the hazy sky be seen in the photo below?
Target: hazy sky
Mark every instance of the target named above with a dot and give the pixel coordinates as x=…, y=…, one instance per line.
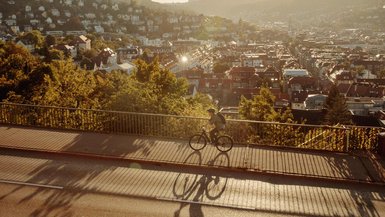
x=170, y=1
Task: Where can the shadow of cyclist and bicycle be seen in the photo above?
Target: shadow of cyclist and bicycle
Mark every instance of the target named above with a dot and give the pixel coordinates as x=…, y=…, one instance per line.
x=195, y=189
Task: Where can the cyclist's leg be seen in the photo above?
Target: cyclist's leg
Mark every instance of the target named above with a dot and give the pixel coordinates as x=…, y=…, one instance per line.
x=213, y=135
x=218, y=132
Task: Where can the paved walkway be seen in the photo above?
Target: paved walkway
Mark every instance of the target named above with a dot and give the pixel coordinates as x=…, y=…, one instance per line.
x=308, y=163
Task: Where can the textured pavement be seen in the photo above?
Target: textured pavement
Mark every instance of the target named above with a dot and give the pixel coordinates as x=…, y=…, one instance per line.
x=271, y=160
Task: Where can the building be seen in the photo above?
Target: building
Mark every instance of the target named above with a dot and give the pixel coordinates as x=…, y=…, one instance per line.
x=315, y=101
x=290, y=73
x=127, y=54
x=27, y=44
x=243, y=77
x=81, y=42
x=67, y=49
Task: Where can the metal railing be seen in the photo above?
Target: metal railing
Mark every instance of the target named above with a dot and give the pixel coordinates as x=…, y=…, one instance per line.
x=172, y=126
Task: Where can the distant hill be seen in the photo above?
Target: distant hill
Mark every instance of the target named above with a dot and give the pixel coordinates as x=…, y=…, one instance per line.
x=254, y=10
x=179, y=7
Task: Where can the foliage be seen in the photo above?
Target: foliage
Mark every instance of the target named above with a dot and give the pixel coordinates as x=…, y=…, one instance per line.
x=15, y=64
x=357, y=71
x=66, y=85
x=156, y=90
x=361, y=138
x=50, y=40
x=333, y=93
x=261, y=108
x=55, y=54
x=57, y=81
x=34, y=37
x=221, y=67
x=337, y=110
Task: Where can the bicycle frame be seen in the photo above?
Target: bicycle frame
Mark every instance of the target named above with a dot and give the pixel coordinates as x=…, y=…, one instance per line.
x=207, y=136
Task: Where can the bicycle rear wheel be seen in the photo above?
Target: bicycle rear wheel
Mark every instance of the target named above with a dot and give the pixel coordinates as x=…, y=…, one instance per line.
x=197, y=142
x=224, y=143
x=216, y=184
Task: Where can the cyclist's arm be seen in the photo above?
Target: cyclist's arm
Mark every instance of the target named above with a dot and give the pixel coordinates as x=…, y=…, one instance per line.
x=211, y=121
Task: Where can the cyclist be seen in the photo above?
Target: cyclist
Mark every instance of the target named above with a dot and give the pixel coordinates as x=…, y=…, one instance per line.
x=218, y=124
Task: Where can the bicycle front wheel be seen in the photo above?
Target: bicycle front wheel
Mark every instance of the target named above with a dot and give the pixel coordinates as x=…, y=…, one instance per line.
x=224, y=143
x=197, y=142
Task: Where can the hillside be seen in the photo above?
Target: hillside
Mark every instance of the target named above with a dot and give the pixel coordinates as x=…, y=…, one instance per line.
x=266, y=10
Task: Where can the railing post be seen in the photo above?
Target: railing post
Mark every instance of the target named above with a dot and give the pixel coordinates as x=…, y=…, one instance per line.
x=347, y=140
x=247, y=157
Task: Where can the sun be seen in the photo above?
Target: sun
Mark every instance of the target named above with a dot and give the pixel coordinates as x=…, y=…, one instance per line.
x=184, y=59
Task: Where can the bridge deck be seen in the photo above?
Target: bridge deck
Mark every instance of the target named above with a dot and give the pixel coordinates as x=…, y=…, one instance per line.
x=308, y=163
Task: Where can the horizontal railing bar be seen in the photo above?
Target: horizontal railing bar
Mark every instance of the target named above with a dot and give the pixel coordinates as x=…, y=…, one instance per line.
x=288, y=124
x=106, y=111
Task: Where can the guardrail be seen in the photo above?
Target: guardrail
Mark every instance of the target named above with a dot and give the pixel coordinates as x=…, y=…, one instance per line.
x=243, y=131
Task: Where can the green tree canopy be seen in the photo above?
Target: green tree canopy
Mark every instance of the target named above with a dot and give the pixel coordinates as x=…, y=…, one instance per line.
x=65, y=85
x=261, y=108
x=161, y=85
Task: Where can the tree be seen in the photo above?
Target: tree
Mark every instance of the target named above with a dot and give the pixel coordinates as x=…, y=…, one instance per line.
x=221, y=67
x=145, y=56
x=333, y=93
x=142, y=72
x=168, y=90
x=60, y=82
x=66, y=85
x=50, y=40
x=16, y=62
x=35, y=37
x=199, y=105
x=55, y=54
x=86, y=63
x=9, y=49
x=358, y=71
x=337, y=110
x=261, y=108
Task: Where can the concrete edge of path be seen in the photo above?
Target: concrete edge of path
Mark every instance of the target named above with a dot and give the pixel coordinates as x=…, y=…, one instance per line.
x=231, y=169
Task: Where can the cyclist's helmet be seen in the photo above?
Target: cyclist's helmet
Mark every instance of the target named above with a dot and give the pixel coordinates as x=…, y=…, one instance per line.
x=211, y=110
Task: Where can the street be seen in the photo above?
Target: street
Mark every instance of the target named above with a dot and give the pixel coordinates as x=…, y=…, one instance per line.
x=39, y=184
x=95, y=205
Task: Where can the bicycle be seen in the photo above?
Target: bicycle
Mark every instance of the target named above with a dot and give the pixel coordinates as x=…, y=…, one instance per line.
x=223, y=143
